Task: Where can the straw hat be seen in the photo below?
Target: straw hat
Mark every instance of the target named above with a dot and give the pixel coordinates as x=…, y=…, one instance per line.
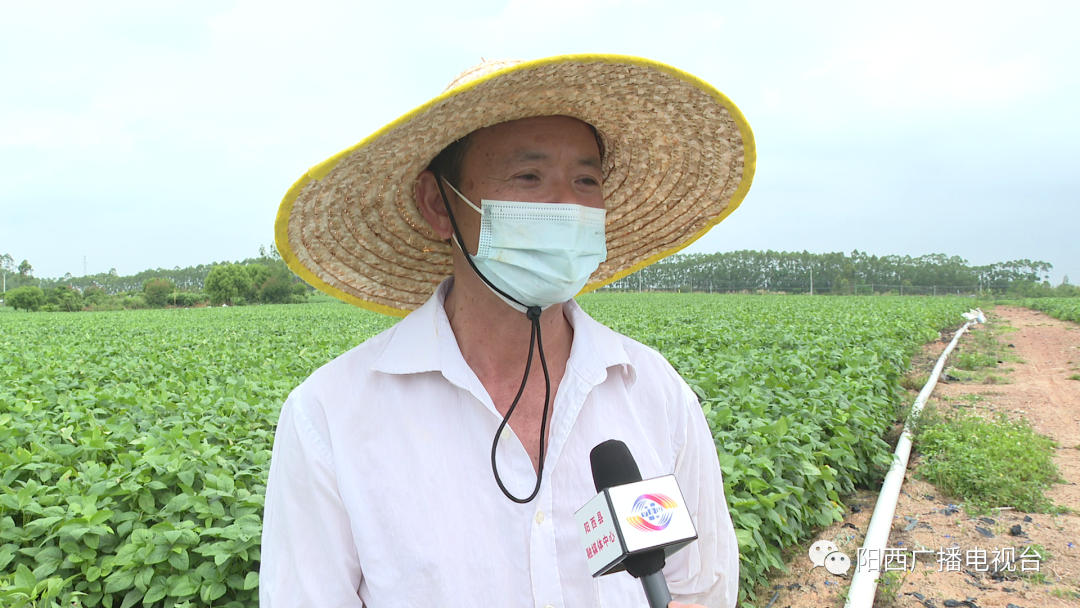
x=679, y=158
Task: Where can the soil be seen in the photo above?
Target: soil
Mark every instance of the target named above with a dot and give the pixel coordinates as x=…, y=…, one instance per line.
x=1032, y=382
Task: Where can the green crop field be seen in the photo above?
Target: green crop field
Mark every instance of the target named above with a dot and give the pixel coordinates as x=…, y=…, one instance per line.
x=1066, y=309
x=134, y=445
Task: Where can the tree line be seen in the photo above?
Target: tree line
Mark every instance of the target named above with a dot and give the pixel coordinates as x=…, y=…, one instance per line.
x=794, y=272
x=265, y=279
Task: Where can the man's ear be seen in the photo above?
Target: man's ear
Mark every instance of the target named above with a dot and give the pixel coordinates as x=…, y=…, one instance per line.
x=430, y=202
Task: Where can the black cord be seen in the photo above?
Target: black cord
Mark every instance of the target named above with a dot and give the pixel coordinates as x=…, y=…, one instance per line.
x=468, y=256
x=535, y=339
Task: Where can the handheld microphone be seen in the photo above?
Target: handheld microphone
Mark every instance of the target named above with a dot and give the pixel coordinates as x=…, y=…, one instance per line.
x=631, y=524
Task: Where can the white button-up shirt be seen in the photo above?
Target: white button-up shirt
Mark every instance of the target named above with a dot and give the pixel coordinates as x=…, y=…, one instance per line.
x=381, y=491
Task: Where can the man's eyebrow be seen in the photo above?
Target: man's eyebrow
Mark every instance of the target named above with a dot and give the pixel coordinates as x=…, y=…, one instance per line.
x=537, y=155
x=590, y=161
x=527, y=155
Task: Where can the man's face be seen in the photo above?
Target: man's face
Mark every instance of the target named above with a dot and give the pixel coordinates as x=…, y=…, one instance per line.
x=547, y=159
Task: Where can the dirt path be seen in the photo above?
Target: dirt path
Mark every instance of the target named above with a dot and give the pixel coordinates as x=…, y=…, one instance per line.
x=1032, y=383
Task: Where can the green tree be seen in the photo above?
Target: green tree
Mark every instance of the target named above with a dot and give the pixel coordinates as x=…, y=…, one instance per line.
x=226, y=283
x=276, y=291
x=271, y=253
x=64, y=297
x=157, y=292
x=259, y=274
x=301, y=291
x=26, y=298
x=94, y=295
x=7, y=266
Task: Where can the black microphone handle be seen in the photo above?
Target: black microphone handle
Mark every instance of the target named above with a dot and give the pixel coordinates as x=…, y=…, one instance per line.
x=656, y=590
x=614, y=465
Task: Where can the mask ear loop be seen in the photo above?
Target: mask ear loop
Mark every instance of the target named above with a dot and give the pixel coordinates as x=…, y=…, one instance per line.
x=533, y=314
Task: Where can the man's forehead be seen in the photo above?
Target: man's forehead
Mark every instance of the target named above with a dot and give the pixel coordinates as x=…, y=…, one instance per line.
x=534, y=139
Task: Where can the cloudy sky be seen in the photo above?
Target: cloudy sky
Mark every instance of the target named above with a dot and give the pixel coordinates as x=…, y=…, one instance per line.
x=161, y=134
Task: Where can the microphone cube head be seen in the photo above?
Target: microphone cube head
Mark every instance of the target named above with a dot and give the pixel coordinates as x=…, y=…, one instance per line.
x=633, y=518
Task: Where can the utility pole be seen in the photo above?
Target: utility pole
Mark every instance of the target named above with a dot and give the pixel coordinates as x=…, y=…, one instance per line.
x=811, y=280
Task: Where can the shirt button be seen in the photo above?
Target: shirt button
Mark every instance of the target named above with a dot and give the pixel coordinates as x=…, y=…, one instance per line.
x=540, y=520
x=549, y=606
x=506, y=433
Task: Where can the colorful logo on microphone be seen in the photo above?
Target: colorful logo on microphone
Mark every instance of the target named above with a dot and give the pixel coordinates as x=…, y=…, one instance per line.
x=652, y=512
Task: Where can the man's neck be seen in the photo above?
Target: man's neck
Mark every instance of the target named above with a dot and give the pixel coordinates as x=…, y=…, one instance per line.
x=494, y=337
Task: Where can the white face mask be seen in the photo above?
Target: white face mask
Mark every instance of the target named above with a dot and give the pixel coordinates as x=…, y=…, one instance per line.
x=538, y=253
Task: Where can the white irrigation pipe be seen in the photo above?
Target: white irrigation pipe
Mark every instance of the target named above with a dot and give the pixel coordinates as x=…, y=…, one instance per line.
x=864, y=583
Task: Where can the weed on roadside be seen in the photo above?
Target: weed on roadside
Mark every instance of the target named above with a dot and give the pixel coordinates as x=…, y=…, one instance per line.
x=914, y=381
x=988, y=463
x=1065, y=594
x=971, y=361
x=888, y=589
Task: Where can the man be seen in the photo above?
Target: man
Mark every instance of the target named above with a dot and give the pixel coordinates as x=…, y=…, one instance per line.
x=441, y=462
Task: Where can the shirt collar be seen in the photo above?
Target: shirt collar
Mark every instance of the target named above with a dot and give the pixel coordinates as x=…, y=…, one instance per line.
x=424, y=342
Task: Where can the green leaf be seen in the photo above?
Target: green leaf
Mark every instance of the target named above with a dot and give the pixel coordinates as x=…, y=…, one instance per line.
x=6, y=555
x=154, y=594
x=251, y=581
x=179, y=560
x=749, y=520
x=146, y=502
x=100, y=517
x=217, y=510
x=212, y=591
x=131, y=598
x=187, y=476
x=183, y=585
x=49, y=555
x=745, y=538
x=24, y=578
x=38, y=526
x=159, y=554
x=53, y=587
x=119, y=581
x=180, y=502
x=144, y=577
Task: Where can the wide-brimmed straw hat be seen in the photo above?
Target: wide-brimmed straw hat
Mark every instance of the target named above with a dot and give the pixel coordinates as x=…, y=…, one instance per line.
x=679, y=158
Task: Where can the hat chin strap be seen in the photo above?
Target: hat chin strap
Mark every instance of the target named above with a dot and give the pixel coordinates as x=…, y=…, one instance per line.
x=535, y=339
